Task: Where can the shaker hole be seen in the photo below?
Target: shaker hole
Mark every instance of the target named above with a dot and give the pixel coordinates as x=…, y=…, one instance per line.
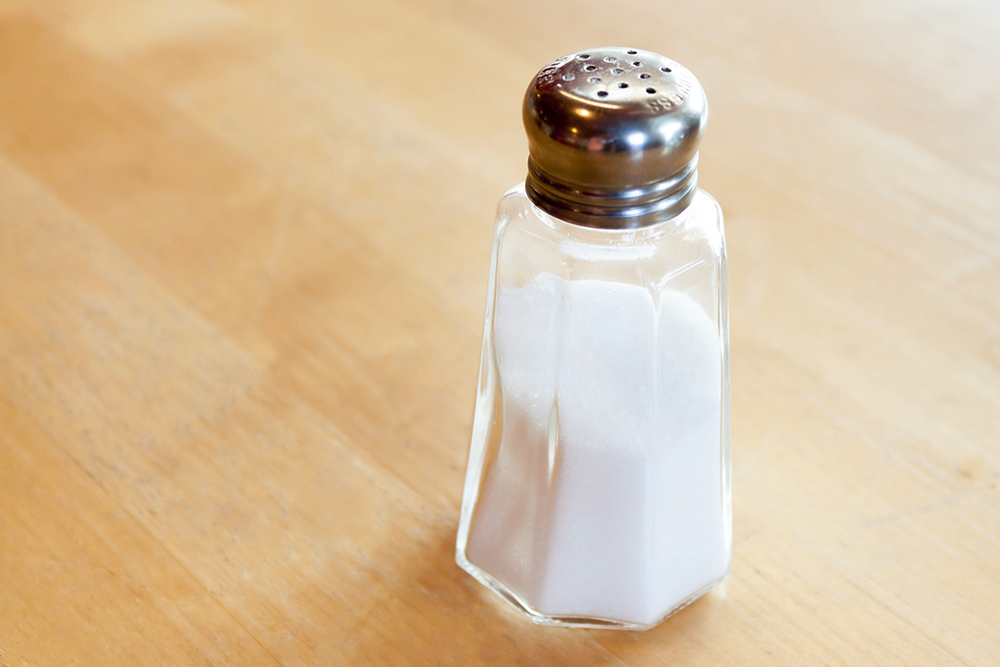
x=594, y=79
x=590, y=68
x=610, y=59
x=568, y=77
x=636, y=63
x=664, y=69
x=643, y=76
x=651, y=90
x=602, y=93
x=617, y=71
x=631, y=52
x=623, y=85
x=583, y=56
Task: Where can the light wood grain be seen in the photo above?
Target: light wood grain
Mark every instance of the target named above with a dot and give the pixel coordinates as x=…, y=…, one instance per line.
x=243, y=256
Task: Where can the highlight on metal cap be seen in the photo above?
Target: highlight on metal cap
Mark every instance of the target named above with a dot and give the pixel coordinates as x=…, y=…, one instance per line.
x=613, y=137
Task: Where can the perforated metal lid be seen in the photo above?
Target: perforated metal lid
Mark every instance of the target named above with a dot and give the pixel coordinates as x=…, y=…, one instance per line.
x=613, y=137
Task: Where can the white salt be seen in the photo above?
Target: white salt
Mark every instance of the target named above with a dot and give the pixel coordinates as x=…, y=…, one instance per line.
x=605, y=495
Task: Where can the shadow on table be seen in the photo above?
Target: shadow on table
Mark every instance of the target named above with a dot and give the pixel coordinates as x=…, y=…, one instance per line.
x=429, y=611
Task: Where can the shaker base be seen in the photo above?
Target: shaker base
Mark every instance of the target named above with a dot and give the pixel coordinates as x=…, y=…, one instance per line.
x=539, y=618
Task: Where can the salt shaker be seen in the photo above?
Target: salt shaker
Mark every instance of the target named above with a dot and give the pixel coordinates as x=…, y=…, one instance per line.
x=597, y=492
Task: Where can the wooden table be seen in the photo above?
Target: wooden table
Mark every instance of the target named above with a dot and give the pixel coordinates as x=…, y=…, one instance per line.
x=243, y=260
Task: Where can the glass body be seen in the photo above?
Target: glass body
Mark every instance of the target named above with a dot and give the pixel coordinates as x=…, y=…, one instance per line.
x=597, y=490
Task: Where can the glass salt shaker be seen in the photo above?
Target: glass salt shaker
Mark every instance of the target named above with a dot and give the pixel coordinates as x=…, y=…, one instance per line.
x=597, y=491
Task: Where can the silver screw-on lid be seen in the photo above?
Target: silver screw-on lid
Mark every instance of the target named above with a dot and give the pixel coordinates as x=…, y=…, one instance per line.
x=613, y=137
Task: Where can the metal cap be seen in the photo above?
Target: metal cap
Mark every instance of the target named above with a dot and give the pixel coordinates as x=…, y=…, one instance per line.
x=613, y=137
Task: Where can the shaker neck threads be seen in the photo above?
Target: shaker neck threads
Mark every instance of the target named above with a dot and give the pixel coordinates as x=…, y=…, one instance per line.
x=613, y=137
x=612, y=208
